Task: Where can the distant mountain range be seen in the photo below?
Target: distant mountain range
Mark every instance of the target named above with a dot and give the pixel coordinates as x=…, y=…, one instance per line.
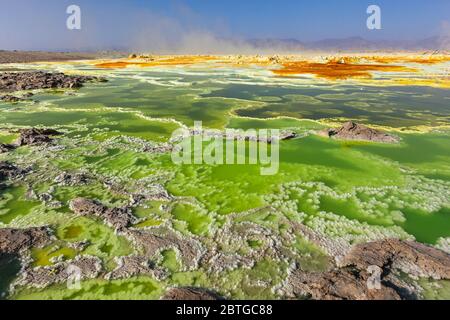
x=351, y=44
x=286, y=46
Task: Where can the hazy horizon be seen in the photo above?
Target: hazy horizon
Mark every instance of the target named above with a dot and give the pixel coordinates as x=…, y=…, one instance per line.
x=212, y=26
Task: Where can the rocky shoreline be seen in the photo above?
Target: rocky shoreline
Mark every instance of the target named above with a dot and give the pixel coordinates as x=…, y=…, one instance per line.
x=18, y=241
x=31, y=80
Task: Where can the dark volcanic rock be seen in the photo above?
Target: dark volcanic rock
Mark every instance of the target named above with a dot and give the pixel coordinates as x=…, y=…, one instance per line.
x=15, y=81
x=6, y=147
x=191, y=294
x=10, y=171
x=118, y=218
x=10, y=98
x=18, y=240
x=35, y=136
x=354, y=131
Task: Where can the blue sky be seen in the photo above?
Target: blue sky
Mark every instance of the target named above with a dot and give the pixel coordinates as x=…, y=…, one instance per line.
x=153, y=24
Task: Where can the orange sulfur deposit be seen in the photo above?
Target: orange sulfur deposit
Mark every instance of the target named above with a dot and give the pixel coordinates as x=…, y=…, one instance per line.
x=424, y=59
x=155, y=62
x=114, y=64
x=336, y=69
x=357, y=66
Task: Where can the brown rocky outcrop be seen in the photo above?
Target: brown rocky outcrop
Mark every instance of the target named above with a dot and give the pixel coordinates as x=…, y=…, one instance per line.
x=19, y=240
x=353, y=131
x=350, y=279
x=80, y=268
x=117, y=218
x=14, y=248
x=15, y=81
x=410, y=257
x=337, y=284
x=36, y=136
x=31, y=136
